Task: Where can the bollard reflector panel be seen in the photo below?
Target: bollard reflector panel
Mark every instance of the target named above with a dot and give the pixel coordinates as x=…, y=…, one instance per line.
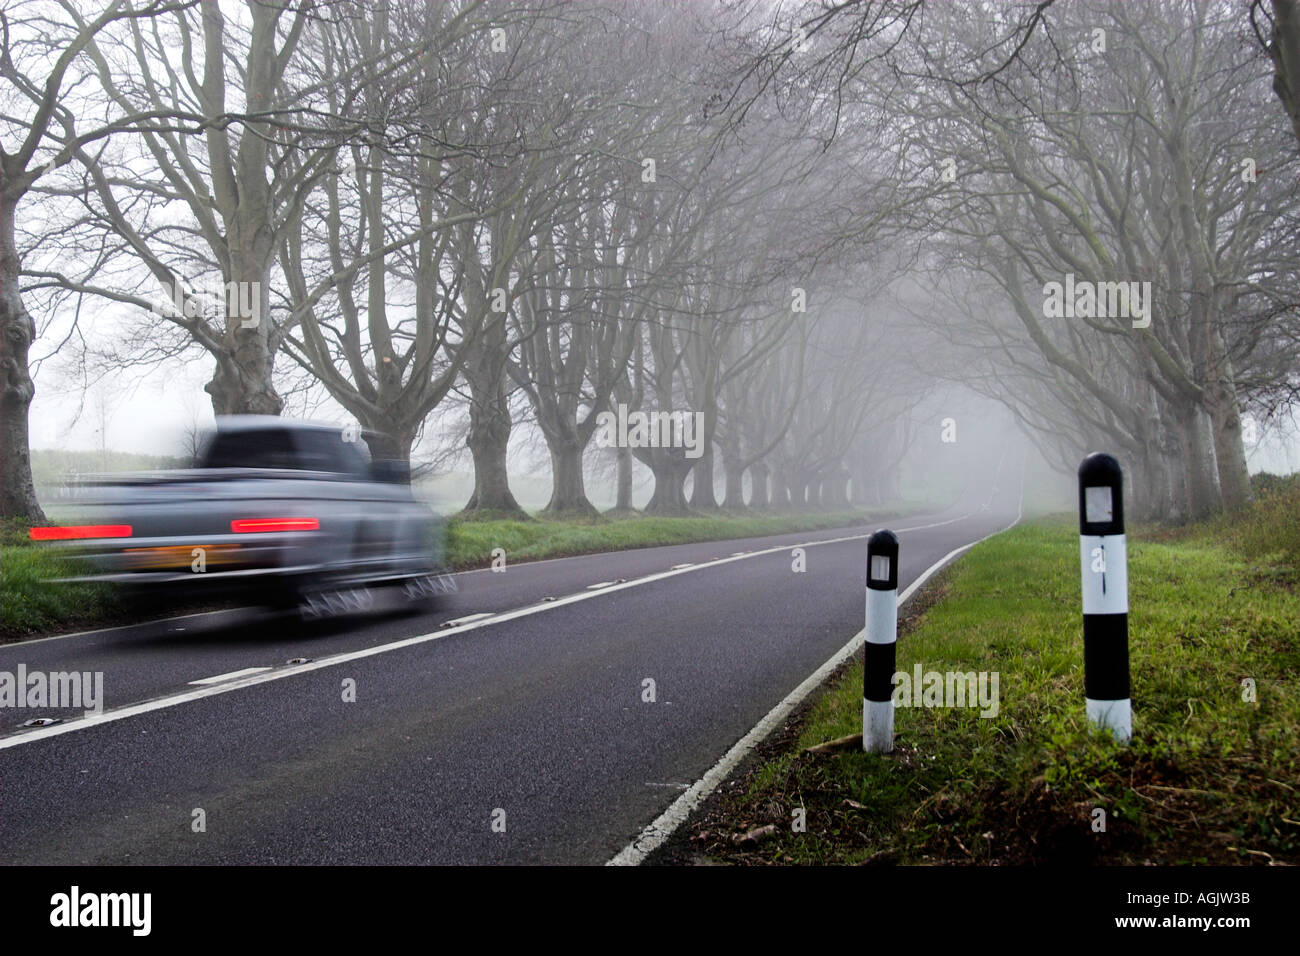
x=1098, y=505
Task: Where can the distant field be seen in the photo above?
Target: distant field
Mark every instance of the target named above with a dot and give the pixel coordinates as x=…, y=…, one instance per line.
x=1210, y=777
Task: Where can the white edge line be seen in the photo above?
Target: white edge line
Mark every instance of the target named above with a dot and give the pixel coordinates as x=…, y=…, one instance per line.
x=663, y=826
x=123, y=627
x=279, y=673
x=230, y=676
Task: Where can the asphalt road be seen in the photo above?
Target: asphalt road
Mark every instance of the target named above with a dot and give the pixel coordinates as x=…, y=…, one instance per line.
x=533, y=718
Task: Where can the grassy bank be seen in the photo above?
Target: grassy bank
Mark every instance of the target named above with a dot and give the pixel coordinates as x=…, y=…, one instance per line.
x=30, y=607
x=1210, y=777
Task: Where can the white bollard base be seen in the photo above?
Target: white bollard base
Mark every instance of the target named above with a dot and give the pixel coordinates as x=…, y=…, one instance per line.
x=1113, y=715
x=878, y=726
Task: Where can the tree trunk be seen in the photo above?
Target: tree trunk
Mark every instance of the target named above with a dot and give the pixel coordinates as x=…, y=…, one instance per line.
x=242, y=382
x=1147, y=488
x=1160, y=481
x=1203, y=498
x=891, y=486
x=866, y=489
x=17, y=330
x=811, y=494
x=858, y=488
x=1173, y=506
x=568, y=493
x=487, y=442
x=780, y=489
x=1225, y=421
x=670, y=471
x=703, y=497
x=835, y=490
x=490, y=425
x=783, y=496
x=489, y=437
x=1284, y=49
x=734, y=476
x=389, y=443
x=758, y=476
x=623, y=492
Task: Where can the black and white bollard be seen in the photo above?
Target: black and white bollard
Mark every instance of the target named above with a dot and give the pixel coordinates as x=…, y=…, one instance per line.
x=882, y=638
x=1103, y=556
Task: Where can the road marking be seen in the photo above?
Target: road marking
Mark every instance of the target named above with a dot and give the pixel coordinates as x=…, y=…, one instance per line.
x=664, y=825
x=678, y=567
x=601, y=584
x=467, y=619
x=280, y=673
x=233, y=675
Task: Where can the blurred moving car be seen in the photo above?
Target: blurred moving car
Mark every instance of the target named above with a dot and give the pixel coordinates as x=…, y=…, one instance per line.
x=283, y=513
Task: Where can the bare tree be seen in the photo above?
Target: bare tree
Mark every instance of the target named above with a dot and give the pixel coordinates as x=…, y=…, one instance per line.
x=41, y=132
x=242, y=185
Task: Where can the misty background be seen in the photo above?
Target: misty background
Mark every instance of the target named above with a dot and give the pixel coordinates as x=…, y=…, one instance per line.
x=830, y=229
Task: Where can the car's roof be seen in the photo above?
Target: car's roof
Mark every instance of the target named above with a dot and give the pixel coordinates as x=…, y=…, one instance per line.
x=238, y=423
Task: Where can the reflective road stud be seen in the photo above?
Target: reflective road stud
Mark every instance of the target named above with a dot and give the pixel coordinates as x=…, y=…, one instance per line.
x=1103, y=557
x=882, y=637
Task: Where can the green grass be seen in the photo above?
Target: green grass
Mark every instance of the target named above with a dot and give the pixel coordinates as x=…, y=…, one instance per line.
x=1208, y=777
x=1267, y=533
x=470, y=542
x=30, y=604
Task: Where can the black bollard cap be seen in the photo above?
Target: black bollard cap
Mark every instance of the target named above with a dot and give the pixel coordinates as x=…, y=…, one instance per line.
x=1101, y=495
x=882, y=561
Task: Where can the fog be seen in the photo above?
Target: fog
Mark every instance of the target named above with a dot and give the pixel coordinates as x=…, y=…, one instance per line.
x=865, y=252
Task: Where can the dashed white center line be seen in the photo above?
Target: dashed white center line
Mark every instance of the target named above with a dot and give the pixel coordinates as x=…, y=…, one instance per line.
x=231, y=676
x=467, y=619
x=600, y=584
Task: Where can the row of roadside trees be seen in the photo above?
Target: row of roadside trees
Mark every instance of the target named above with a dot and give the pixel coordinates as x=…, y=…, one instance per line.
x=795, y=221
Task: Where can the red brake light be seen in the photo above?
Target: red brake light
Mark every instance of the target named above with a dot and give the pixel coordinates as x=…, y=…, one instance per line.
x=68, y=532
x=254, y=525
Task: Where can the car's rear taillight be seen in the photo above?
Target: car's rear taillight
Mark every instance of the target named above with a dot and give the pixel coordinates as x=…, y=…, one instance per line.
x=70, y=532
x=264, y=525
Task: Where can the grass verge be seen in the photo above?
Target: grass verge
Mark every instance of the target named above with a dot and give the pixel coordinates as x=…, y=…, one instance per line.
x=1210, y=777
x=30, y=605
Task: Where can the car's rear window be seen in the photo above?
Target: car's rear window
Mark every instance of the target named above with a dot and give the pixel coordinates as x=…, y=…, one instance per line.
x=265, y=448
x=306, y=450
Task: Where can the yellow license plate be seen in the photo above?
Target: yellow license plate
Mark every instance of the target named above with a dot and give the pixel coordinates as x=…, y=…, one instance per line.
x=181, y=556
